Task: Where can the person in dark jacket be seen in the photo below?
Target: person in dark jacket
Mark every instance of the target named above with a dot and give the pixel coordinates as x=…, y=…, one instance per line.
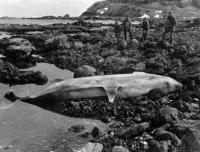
x=117, y=30
x=170, y=26
x=145, y=27
x=127, y=28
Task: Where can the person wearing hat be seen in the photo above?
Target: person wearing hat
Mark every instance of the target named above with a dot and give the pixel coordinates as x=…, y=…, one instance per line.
x=117, y=30
x=127, y=28
x=169, y=27
x=145, y=27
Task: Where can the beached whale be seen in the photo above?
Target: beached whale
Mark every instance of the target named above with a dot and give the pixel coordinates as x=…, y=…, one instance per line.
x=122, y=85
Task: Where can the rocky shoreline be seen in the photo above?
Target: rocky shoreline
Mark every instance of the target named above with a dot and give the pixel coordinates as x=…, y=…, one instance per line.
x=149, y=123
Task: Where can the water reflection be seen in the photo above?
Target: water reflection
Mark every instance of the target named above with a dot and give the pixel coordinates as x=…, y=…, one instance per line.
x=52, y=72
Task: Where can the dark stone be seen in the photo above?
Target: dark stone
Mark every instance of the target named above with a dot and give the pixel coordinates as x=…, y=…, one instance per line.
x=96, y=133
x=9, y=74
x=20, y=47
x=133, y=130
x=85, y=135
x=105, y=119
x=189, y=133
x=58, y=42
x=84, y=71
x=166, y=135
x=155, y=94
x=160, y=146
x=166, y=115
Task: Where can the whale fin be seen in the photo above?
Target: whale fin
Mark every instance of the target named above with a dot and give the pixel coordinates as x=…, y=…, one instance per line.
x=111, y=93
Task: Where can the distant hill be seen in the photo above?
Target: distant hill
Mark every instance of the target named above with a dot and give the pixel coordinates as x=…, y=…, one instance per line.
x=137, y=8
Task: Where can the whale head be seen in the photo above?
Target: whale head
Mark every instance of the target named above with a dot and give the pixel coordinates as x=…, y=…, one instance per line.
x=151, y=82
x=168, y=85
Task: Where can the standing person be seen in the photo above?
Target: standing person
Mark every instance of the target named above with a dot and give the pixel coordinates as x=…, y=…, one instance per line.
x=145, y=27
x=170, y=26
x=117, y=30
x=127, y=28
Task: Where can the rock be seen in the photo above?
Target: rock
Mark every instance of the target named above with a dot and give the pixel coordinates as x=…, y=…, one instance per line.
x=86, y=135
x=20, y=28
x=155, y=94
x=119, y=149
x=9, y=74
x=58, y=42
x=122, y=44
x=134, y=44
x=137, y=118
x=94, y=39
x=133, y=130
x=166, y=135
x=19, y=52
x=141, y=66
x=77, y=128
x=107, y=42
x=189, y=133
x=19, y=49
x=116, y=64
x=91, y=147
x=156, y=64
x=162, y=128
x=18, y=41
x=77, y=45
x=38, y=40
x=160, y=146
x=194, y=106
x=84, y=71
x=33, y=77
x=96, y=132
x=179, y=104
x=105, y=119
x=4, y=43
x=166, y=115
x=188, y=107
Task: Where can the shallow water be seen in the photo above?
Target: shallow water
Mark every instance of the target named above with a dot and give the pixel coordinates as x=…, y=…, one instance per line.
x=47, y=21
x=50, y=70
x=26, y=127
x=34, y=21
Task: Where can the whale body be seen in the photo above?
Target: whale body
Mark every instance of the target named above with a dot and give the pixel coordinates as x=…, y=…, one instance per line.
x=122, y=85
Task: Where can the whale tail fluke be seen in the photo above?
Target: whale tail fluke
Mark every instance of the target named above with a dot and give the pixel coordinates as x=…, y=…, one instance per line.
x=11, y=96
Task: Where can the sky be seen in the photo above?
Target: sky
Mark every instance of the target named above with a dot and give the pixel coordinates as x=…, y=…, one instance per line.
x=37, y=8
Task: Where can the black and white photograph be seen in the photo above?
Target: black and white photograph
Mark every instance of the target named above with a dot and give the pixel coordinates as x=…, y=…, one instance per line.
x=99, y=75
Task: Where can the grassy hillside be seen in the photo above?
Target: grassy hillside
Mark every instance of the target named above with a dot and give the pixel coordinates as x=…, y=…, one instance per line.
x=136, y=8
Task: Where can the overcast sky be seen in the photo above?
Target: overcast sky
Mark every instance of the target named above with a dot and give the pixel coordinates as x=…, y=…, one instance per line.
x=36, y=8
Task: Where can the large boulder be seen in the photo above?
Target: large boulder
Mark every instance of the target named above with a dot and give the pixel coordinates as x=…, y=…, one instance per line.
x=166, y=115
x=189, y=132
x=84, y=71
x=58, y=42
x=19, y=41
x=119, y=149
x=122, y=44
x=9, y=74
x=19, y=52
x=18, y=49
x=134, y=44
x=160, y=146
x=4, y=43
x=91, y=147
x=116, y=64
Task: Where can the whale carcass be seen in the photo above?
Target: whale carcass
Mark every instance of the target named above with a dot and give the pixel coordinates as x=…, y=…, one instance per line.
x=122, y=85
